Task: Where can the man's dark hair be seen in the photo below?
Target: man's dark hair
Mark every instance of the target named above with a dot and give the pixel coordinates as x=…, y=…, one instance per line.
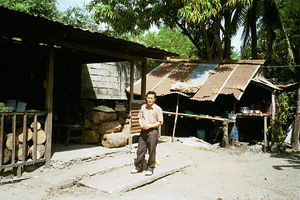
x=151, y=92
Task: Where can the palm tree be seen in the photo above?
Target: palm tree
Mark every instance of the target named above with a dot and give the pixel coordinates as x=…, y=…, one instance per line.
x=268, y=12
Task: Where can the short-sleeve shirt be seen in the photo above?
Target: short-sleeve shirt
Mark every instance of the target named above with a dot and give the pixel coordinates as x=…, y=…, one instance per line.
x=151, y=114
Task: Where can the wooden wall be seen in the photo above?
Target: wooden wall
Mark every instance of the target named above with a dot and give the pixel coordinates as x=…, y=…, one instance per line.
x=106, y=80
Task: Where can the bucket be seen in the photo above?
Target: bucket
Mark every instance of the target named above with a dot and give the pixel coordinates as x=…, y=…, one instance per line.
x=201, y=134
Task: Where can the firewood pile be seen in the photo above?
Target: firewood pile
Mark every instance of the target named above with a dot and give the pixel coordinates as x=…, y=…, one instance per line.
x=105, y=126
x=29, y=144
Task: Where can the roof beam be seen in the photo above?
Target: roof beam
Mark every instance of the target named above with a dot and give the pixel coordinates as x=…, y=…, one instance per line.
x=98, y=51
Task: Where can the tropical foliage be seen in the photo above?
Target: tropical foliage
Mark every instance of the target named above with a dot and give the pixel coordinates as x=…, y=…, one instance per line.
x=200, y=21
x=44, y=8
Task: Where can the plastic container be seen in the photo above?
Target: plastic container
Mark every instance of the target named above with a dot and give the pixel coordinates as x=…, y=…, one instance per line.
x=12, y=103
x=200, y=134
x=235, y=133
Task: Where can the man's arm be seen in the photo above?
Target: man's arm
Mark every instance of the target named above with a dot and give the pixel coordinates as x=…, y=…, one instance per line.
x=155, y=125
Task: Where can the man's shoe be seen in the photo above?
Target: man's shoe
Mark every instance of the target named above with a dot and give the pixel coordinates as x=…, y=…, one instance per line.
x=135, y=171
x=148, y=173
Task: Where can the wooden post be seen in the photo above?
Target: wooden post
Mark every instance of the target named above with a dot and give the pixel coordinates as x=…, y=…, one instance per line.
x=265, y=133
x=131, y=83
x=296, y=132
x=234, y=107
x=1, y=137
x=49, y=106
x=35, y=137
x=273, y=107
x=24, y=137
x=175, y=121
x=225, y=134
x=13, y=154
x=143, y=86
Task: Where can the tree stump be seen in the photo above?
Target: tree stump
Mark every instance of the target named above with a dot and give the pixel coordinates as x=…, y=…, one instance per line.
x=110, y=127
x=41, y=137
x=99, y=117
x=20, y=134
x=7, y=155
x=9, y=141
x=40, y=151
x=114, y=140
x=38, y=125
x=19, y=151
x=91, y=136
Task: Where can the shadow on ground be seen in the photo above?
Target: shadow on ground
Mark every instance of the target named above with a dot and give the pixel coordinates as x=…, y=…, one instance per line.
x=292, y=159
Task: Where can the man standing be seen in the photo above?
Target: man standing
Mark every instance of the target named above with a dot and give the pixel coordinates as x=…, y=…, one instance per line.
x=150, y=118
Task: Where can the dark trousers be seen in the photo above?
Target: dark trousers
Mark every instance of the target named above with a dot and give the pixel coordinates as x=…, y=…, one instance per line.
x=147, y=140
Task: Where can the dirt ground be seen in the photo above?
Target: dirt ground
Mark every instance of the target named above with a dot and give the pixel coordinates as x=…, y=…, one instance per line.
x=234, y=173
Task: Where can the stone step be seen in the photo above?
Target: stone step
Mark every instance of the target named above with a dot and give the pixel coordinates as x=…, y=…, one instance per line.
x=121, y=180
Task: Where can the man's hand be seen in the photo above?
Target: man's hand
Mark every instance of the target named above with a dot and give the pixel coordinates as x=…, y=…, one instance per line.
x=146, y=126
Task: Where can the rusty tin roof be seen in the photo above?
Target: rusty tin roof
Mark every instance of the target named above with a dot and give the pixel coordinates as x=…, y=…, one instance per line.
x=187, y=78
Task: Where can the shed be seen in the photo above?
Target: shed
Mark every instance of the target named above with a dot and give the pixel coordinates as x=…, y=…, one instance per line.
x=41, y=62
x=209, y=90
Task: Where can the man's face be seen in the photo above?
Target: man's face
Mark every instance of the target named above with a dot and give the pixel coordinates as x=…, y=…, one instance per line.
x=150, y=99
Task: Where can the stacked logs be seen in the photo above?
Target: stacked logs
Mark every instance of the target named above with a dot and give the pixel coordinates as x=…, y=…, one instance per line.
x=29, y=147
x=105, y=126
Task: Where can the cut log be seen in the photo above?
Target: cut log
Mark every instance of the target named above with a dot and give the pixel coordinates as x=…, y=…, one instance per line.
x=123, y=114
x=110, y=127
x=41, y=137
x=19, y=151
x=38, y=125
x=88, y=123
x=99, y=117
x=91, y=136
x=114, y=140
x=7, y=155
x=40, y=151
x=9, y=141
x=122, y=120
x=20, y=134
x=95, y=127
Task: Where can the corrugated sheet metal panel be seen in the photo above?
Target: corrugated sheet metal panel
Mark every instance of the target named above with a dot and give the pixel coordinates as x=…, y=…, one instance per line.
x=195, y=79
x=214, y=83
x=161, y=79
x=239, y=80
x=263, y=81
x=154, y=77
x=227, y=78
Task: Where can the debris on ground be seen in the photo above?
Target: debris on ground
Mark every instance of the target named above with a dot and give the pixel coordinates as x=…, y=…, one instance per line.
x=196, y=142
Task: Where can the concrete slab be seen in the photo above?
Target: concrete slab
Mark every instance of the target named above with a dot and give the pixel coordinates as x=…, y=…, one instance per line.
x=67, y=176
x=121, y=180
x=68, y=154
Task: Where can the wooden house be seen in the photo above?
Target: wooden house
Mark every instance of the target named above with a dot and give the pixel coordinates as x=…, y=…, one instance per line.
x=41, y=65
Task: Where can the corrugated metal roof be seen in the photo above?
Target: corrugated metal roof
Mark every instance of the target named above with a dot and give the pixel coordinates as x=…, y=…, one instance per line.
x=41, y=30
x=259, y=79
x=228, y=78
x=239, y=80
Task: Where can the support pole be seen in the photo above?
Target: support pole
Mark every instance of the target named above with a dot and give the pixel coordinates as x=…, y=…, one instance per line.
x=296, y=132
x=144, y=72
x=131, y=83
x=49, y=106
x=175, y=121
x=225, y=134
x=273, y=107
x=265, y=133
